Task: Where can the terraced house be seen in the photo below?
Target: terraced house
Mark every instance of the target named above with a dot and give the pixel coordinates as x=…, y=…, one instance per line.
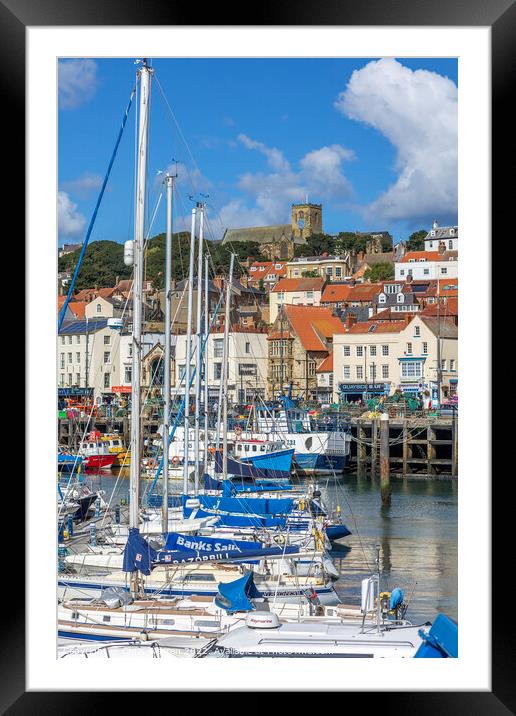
x=299, y=341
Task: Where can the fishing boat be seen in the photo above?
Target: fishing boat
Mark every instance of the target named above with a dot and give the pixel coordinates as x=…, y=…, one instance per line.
x=68, y=462
x=95, y=453
x=115, y=445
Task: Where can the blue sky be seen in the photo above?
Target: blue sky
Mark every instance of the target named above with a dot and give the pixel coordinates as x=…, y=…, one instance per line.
x=373, y=140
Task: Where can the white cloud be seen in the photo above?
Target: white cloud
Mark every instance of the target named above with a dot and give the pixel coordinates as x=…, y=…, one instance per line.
x=275, y=157
x=77, y=82
x=70, y=221
x=85, y=184
x=269, y=195
x=416, y=110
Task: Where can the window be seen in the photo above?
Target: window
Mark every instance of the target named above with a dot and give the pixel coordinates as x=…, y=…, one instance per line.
x=338, y=271
x=311, y=368
x=247, y=347
x=218, y=347
x=107, y=356
x=69, y=357
x=62, y=340
x=417, y=331
x=309, y=295
x=444, y=269
x=128, y=374
x=182, y=370
x=409, y=347
x=99, y=308
x=107, y=379
x=452, y=364
x=281, y=296
x=346, y=350
x=70, y=340
x=77, y=357
x=372, y=372
x=443, y=364
x=130, y=352
x=77, y=379
x=385, y=350
x=426, y=271
x=425, y=348
x=385, y=371
x=360, y=372
x=450, y=244
x=360, y=351
x=372, y=350
x=107, y=340
x=62, y=360
x=217, y=371
x=77, y=339
x=400, y=298
x=382, y=298
x=402, y=272
x=411, y=369
x=69, y=379
x=247, y=369
x=62, y=381
x=329, y=271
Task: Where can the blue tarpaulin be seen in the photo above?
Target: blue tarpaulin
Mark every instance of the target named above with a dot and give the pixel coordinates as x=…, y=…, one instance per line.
x=235, y=596
x=138, y=554
x=441, y=642
x=247, y=470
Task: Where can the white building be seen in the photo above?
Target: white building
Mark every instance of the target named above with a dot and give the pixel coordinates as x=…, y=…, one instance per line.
x=149, y=340
x=88, y=356
x=447, y=235
x=247, y=365
x=423, y=265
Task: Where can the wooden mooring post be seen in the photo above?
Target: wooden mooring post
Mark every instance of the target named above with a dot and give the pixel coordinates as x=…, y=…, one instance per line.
x=361, y=449
x=385, y=485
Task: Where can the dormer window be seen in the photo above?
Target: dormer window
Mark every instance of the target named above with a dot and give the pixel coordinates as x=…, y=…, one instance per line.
x=253, y=268
x=382, y=298
x=400, y=298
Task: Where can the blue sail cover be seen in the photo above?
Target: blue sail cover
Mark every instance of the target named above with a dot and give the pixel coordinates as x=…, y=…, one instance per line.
x=441, y=642
x=190, y=555
x=230, y=488
x=177, y=542
x=138, y=554
x=246, y=505
x=211, y=484
x=235, y=596
x=237, y=520
x=246, y=470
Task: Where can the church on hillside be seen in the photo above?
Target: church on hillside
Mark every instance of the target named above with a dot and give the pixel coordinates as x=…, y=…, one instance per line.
x=278, y=242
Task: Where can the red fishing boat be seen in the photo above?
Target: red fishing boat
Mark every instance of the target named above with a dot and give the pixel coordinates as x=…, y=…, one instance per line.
x=95, y=453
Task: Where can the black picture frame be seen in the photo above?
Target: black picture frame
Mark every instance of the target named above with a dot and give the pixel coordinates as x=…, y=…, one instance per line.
x=500, y=15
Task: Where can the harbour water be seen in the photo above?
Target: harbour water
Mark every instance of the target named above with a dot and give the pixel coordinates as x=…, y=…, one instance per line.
x=417, y=537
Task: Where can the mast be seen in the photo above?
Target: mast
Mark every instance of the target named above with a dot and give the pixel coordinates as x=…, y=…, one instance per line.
x=225, y=371
x=206, y=331
x=224, y=355
x=198, y=374
x=169, y=183
x=143, y=138
x=439, y=371
x=188, y=349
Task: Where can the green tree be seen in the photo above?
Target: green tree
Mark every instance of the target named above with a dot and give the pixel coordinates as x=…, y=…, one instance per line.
x=416, y=241
x=379, y=272
x=103, y=262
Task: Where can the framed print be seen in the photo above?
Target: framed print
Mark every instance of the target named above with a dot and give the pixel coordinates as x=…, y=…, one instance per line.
x=372, y=122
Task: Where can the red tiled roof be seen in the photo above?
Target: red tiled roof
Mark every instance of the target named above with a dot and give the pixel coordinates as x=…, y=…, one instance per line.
x=450, y=308
x=312, y=324
x=344, y=292
x=420, y=255
x=299, y=284
x=78, y=308
x=278, y=335
x=327, y=365
x=380, y=326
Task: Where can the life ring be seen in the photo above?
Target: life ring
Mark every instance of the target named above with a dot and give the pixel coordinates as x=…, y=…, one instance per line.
x=175, y=460
x=279, y=539
x=151, y=462
x=211, y=449
x=238, y=430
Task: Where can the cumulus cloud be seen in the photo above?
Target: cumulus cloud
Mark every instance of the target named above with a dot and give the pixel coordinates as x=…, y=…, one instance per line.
x=77, y=82
x=70, y=221
x=416, y=110
x=84, y=185
x=269, y=194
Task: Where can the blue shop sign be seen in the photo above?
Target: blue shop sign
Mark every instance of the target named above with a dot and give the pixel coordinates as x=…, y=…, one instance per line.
x=74, y=392
x=363, y=388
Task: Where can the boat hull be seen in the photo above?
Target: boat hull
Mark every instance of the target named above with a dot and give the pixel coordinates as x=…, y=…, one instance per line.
x=308, y=463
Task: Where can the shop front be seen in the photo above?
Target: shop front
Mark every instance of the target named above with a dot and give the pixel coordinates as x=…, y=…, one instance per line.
x=359, y=392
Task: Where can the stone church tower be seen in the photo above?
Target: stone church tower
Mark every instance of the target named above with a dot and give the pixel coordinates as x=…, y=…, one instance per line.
x=306, y=220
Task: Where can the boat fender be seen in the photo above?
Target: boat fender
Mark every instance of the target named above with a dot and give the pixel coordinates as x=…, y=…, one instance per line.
x=279, y=539
x=193, y=503
x=175, y=460
x=262, y=620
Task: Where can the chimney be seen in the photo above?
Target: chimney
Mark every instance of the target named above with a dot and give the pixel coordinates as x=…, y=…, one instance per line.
x=351, y=319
